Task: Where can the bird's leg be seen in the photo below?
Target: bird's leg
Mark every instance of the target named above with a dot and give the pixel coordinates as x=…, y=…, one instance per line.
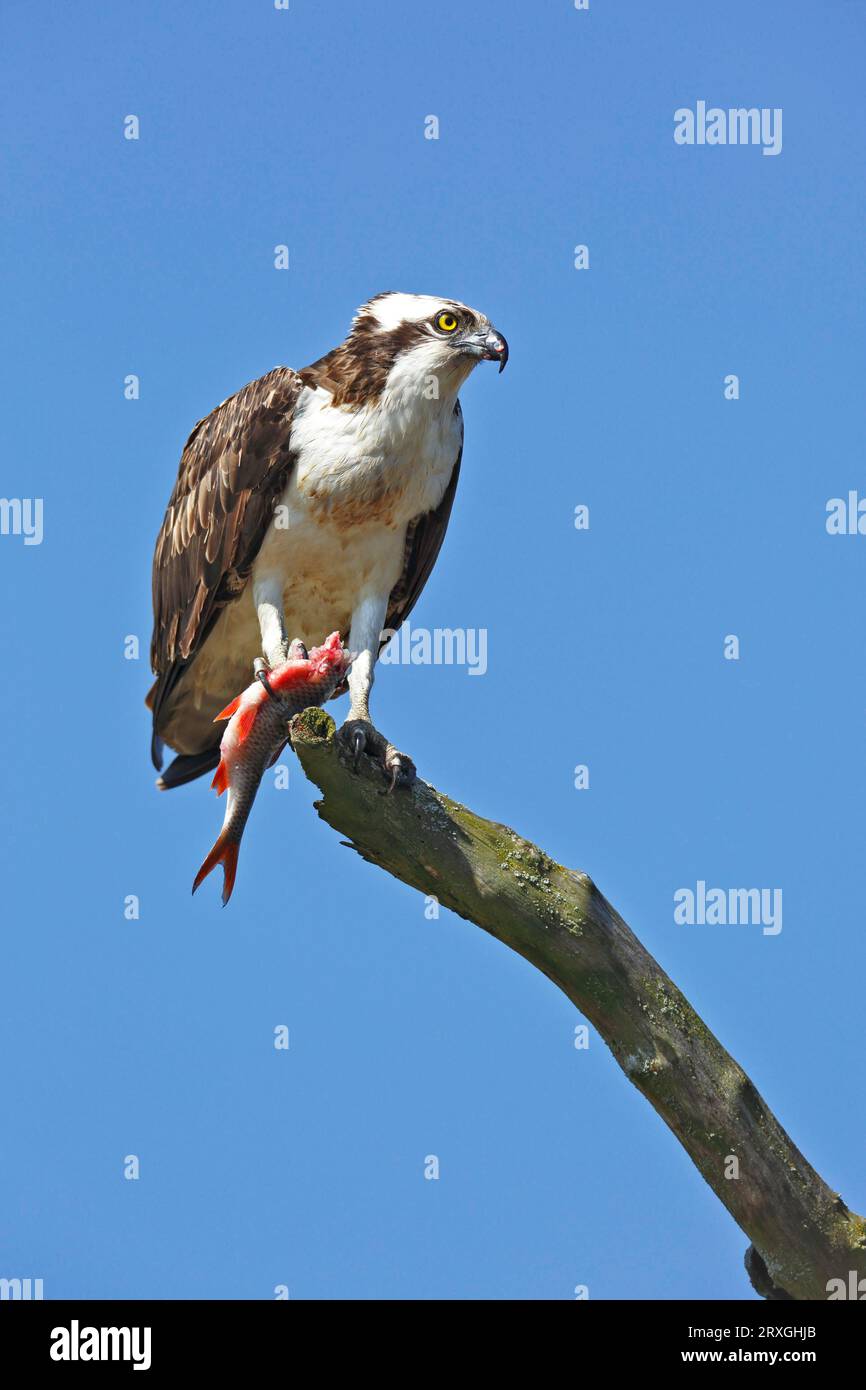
x=268, y=598
x=358, y=734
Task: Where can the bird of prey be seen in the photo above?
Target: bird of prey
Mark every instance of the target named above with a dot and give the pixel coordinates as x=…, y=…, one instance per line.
x=310, y=502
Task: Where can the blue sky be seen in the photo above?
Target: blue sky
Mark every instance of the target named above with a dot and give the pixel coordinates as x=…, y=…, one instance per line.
x=410, y=1037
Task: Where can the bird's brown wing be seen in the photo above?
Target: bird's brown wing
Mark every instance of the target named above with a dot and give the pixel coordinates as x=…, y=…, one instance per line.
x=232, y=473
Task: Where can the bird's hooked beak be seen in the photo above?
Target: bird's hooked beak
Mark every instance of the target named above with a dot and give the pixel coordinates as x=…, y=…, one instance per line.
x=488, y=345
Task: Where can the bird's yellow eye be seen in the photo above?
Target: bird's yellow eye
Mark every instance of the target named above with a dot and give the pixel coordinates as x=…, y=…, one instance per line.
x=447, y=322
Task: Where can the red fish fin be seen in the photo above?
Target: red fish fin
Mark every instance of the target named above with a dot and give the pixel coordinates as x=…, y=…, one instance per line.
x=246, y=720
x=224, y=852
x=221, y=777
x=228, y=711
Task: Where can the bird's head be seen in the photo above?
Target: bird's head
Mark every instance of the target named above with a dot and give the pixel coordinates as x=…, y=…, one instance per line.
x=424, y=335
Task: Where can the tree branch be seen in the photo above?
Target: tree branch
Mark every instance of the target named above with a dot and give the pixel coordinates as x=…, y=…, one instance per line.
x=803, y=1234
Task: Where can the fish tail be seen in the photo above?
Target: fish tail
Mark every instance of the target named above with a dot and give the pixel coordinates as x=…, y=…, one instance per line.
x=225, y=852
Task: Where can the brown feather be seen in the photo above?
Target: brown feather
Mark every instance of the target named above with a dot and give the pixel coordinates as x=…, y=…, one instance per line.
x=356, y=372
x=232, y=472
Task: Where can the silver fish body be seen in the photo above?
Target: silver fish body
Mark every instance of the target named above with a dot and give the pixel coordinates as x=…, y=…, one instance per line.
x=254, y=736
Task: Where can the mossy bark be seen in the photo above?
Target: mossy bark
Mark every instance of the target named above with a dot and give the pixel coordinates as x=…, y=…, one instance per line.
x=803, y=1234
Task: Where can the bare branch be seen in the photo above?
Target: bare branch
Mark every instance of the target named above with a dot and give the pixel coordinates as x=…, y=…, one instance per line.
x=803, y=1234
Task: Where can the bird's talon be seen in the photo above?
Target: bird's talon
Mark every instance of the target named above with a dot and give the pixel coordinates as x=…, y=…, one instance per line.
x=358, y=736
x=400, y=767
x=359, y=742
x=263, y=676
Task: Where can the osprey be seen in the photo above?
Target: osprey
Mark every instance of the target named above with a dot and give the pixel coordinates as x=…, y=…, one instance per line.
x=311, y=502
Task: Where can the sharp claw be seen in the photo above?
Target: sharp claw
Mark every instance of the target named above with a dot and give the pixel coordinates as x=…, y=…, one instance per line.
x=263, y=677
x=401, y=768
x=358, y=737
x=359, y=742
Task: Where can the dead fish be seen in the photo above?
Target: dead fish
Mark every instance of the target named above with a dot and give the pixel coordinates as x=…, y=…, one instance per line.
x=257, y=731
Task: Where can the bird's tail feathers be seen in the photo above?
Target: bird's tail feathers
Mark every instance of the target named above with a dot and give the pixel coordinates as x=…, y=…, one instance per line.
x=187, y=766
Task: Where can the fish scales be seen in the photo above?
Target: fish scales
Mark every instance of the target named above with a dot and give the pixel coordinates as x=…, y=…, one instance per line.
x=256, y=731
